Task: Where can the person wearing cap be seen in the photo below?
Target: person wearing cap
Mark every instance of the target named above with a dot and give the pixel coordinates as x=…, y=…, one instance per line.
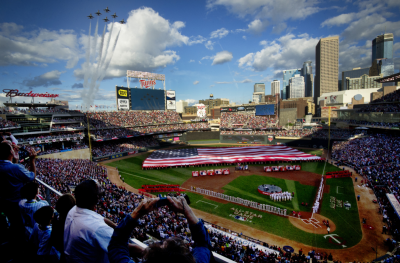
x=14, y=176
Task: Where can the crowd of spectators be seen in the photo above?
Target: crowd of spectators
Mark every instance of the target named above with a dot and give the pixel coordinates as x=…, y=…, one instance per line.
x=391, y=97
x=377, y=159
x=392, y=107
x=48, y=137
x=314, y=133
x=5, y=124
x=131, y=118
x=372, y=150
x=375, y=124
x=38, y=111
x=128, y=145
x=229, y=120
x=106, y=134
x=63, y=127
x=68, y=119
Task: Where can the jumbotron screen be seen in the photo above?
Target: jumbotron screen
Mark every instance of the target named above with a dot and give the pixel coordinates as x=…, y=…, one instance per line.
x=268, y=109
x=147, y=99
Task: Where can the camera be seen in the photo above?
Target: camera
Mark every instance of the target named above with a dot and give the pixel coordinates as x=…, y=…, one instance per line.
x=164, y=201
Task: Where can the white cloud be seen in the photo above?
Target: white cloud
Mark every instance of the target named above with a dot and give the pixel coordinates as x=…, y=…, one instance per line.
x=223, y=82
x=191, y=61
x=246, y=60
x=41, y=46
x=220, y=33
x=196, y=40
x=368, y=28
x=209, y=45
x=244, y=37
x=285, y=52
x=191, y=102
x=222, y=57
x=51, y=78
x=244, y=81
x=339, y=20
x=257, y=27
x=212, y=86
x=196, y=82
x=144, y=43
x=275, y=11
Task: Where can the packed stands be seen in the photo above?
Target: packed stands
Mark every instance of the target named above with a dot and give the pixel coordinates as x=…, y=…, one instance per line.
x=391, y=97
x=43, y=138
x=373, y=150
x=131, y=118
x=63, y=127
x=313, y=133
x=229, y=120
x=377, y=159
x=68, y=119
x=5, y=124
x=389, y=107
x=374, y=124
x=108, y=134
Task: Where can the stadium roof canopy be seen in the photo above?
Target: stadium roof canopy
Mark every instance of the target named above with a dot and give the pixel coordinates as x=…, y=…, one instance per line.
x=391, y=78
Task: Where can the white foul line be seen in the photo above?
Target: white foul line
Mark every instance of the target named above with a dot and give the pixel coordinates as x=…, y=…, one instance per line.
x=207, y=203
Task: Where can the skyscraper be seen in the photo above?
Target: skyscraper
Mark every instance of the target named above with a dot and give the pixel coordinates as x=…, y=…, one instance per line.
x=296, y=87
x=287, y=74
x=326, y=66
x=382, y=46
x=275, y=87
x=259, y=92
x=306, y=72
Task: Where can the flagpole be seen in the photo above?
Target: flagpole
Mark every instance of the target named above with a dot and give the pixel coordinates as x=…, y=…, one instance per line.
x=90, y=141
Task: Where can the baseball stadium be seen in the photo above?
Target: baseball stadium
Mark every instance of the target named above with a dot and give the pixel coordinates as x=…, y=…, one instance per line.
x=295, y=176
x=298, y=191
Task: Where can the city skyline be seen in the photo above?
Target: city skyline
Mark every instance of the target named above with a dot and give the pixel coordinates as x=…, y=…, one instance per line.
x=223, y=47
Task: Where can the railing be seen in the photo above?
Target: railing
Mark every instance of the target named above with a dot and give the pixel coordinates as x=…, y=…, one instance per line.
x=48, y=188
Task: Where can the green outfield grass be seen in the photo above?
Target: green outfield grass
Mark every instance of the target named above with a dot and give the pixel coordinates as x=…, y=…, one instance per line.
x=246, y=187
x=347, y=221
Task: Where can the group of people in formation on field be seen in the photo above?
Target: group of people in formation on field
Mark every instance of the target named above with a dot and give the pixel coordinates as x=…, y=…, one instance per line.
x=281, y=197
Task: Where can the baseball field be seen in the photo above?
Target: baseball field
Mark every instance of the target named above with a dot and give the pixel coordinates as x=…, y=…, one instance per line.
x=345, y=225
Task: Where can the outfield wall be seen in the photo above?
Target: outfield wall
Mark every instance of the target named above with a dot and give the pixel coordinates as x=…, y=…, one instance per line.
x=76, y=154
x=195, y=135
x=272, y=140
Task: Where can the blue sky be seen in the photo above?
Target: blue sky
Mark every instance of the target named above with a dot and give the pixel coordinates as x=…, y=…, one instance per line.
x=215, y=46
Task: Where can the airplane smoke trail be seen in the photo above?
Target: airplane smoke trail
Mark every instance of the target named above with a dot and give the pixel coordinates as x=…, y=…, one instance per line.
x=108, y=42
x=103, y=72
x=98, y=59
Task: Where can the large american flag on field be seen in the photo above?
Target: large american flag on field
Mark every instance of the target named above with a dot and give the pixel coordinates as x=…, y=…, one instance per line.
x=215, y=155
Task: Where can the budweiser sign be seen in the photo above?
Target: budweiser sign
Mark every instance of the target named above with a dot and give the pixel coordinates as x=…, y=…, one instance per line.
x=14, y=93
x=147, y=83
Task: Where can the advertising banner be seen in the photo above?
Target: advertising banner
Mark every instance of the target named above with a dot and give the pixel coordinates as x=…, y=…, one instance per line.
x=171, y=95
x=171, y=105
x=229, y=109
x=123, y=104
x=122, y=93
x=250, y=108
